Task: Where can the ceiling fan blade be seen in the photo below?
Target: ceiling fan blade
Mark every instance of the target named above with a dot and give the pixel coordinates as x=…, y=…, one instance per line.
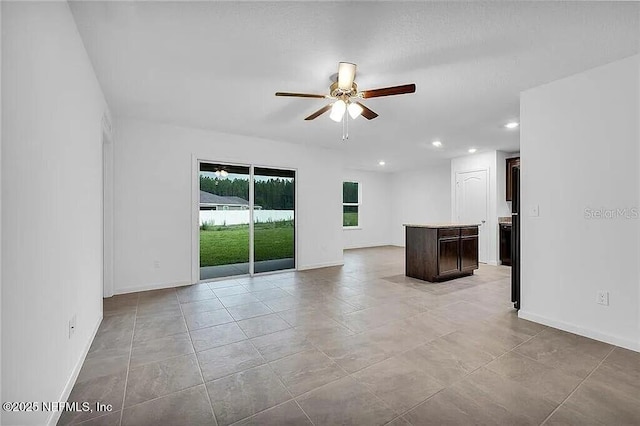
x=346, y=75
x=300, y=95
x=389, y=91
x=366, y=112
x=319, y=112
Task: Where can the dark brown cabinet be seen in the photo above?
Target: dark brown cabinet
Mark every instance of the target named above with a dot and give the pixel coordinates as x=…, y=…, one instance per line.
x=436, y=253
x=468, y=253
x=511, y=163
x=505, y=244
x=448, y=262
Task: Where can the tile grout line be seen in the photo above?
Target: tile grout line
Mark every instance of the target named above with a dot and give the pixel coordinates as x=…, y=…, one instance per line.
x=314, y=345
x=126, y=379
x=578, y=385
x=348, y=374
x=230, y=374
x=458, y=380
x=295, y=398
x=163, y=396
x=265, y=363
x=535, y=335
x=268, y=364
x=195, y=354
x=85, y=422
x=262, y=411
x=304, y=412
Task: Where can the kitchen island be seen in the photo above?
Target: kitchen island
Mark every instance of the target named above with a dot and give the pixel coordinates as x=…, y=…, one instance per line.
x=439, y=252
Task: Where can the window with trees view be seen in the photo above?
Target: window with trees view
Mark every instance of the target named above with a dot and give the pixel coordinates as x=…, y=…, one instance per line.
x=350, y=204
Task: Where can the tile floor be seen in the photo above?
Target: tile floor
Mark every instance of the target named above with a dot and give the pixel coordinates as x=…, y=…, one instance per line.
x=354, y=345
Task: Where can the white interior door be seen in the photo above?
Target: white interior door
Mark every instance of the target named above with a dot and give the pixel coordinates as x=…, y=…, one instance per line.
x=472, y=202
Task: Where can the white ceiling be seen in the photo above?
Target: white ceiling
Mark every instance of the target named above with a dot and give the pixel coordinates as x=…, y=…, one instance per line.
x=216, y=65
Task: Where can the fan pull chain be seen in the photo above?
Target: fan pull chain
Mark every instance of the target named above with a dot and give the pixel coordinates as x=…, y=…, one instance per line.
x=345, y=127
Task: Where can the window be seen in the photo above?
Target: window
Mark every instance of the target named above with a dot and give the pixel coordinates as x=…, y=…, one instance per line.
x=350, y=204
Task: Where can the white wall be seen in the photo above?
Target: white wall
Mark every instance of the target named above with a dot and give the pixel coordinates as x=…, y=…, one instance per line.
x=107, y=183
x=420, y=196
x=153, y=169
x=487, y=161
x=580, y=149
x=52, y=107
x=1, y=210
x=375, y=210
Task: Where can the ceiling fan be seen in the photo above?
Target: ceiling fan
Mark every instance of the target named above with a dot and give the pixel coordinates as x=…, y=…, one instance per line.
x=345, y=95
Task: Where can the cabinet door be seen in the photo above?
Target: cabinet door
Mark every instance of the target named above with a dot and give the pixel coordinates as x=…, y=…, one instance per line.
x=505, y=245
x=468, y=253
x=448, y=254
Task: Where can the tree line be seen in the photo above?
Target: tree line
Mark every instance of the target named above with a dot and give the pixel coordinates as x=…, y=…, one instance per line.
x=271, y=194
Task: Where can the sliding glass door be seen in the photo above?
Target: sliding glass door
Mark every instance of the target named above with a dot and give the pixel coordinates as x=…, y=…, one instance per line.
x=273, y=219
x=224, y=220
x=246, y=220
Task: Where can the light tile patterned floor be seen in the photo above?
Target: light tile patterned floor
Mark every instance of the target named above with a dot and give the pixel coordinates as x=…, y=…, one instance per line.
x=354, y=345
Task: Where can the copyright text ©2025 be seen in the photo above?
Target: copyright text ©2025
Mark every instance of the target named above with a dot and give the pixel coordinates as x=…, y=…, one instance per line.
x=84, y=407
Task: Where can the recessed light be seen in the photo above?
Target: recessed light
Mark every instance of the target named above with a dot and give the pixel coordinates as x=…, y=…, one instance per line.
x=512, y=125
x=437, y=144
x=381, y=163
x=472, y=150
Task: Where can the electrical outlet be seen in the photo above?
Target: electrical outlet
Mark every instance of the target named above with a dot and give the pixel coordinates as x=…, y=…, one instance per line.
x=156, y=264
x=603, y=298
x=535, y=211
x=72, y=326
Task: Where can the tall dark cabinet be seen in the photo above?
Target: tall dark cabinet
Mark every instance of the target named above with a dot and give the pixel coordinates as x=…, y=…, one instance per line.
x=505, y=244
x=515, y=239
x=511, y=164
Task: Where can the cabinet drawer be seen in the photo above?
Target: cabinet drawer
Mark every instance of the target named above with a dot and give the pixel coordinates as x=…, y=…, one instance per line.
x=466, y=232
x=448, y=232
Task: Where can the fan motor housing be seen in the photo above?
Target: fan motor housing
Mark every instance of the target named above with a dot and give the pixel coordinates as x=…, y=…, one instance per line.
x=336, y=92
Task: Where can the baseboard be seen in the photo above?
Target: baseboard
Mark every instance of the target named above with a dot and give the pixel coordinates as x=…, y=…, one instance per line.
x=320, y=265
x=367, y=246
x=581, y=331
x=55, y=415
x=148, y=287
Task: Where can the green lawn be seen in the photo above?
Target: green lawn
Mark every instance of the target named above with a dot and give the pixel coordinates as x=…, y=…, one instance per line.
x=349, y=219
x=224, y=245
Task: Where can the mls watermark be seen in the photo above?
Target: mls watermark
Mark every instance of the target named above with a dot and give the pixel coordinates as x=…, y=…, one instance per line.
x=612, y=214
x=80, y=407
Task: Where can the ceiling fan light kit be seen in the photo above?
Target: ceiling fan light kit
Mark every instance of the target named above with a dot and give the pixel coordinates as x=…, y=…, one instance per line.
x=355, y=110
x=337, y=110
x=343, y=91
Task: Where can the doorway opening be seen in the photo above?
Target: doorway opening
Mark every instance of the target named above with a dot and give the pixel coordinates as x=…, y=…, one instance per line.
x=246, y=220
x=274, y=232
